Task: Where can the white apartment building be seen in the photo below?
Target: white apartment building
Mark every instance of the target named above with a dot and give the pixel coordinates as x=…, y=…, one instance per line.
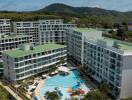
x=5, y=26
x=8, y=42
x=29, y=60
x=28, y=27
x=104, y=59
x=12, y=41
x=53, y=31
x=44, y=31
x=75, y=39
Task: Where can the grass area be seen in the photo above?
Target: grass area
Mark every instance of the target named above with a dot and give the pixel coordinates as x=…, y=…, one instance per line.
x=5, y=95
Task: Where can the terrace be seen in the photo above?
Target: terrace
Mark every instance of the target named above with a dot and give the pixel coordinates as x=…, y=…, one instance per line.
x=83, y=30
x=125, y=46
x=37, y=49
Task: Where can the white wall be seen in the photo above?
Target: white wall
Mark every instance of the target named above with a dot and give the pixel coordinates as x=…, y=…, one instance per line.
x=126, y=84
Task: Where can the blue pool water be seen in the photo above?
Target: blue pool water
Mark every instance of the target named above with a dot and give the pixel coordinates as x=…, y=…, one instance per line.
x=63, y=83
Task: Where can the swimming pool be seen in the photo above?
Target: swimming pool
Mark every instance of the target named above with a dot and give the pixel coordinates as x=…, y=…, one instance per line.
x=63, y=83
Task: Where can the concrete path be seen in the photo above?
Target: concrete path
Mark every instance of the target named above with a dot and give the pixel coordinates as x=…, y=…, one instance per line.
x=37, y=90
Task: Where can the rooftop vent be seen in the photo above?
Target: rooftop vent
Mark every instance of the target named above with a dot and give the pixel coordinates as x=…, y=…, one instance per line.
x=26, y=47
x=116, y=44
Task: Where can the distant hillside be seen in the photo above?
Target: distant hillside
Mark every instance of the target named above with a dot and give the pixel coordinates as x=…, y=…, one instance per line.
x=85, y=11
x=83, y=16
x=62, y=8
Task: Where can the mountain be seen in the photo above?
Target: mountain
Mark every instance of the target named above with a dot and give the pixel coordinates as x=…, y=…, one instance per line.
x=58, y=8
x=84, y=11
x=86, y=15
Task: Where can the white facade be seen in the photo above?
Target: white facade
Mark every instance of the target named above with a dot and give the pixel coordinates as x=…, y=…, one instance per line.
x=44, y=31
x=27, y=28
x=5, y=26
x=75, y=41
x=9, y=42
x=32, y=61
x=53, y=31
x=104, y=59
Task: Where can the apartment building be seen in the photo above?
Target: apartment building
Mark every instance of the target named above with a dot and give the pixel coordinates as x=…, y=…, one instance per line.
x=110, y=60
x=75, y=39
x=53, y=31
x=8, y=42
x=44, y=31
x=28, y=27
x=5, y=26
x=104, y=59
x=31, y=59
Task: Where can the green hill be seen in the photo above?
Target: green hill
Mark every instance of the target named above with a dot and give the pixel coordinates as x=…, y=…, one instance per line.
x=79, y=15
x=85, y=11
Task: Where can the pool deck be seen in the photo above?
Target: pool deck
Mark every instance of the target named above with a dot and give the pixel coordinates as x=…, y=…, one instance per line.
x=37, y=90
x=41, y=82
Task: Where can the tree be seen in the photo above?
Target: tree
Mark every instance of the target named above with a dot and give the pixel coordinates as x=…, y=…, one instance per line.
x=104, y=88
x=53, y=68
x=3, y=94
x=117, y=25
x=51, y=95
x=95, y=95
x=62, y=60
x=121, y=33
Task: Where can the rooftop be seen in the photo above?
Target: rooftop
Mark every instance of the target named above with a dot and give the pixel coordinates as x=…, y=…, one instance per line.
x=84, y=29
x=37, y=49
x=122, y=45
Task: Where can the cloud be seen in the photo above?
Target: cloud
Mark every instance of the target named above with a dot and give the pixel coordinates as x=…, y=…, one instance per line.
x=98, y=6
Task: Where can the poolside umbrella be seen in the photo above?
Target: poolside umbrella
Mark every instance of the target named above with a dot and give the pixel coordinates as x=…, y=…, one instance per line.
x=33, y=87
x=44, y=76
x=63, y=69
x=35, y=98
x=56, y=71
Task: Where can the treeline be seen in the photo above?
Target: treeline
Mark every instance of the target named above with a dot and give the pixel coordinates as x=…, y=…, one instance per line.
x=85, y=21
x=25, y=16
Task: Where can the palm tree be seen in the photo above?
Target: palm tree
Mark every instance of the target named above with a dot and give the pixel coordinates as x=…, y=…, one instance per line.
x=51, y=95
x=62, y=60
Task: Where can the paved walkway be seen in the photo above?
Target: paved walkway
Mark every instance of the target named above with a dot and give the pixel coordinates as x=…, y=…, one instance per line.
x=37, y=90
x=11, y=92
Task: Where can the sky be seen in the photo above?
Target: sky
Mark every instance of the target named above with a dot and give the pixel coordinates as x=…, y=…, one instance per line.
x=29, y=5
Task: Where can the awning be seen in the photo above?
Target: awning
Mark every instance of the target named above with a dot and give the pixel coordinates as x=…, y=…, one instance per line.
x=63, y=69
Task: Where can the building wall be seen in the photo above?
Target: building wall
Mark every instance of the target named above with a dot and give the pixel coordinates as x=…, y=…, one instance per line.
x=74, y=45
x=102, y=64
x=12, y=43
x=75, y=42
x=44, y=31
x=23, y=67
x=53, y=31
x=28, y=28
x=5, y=26
x=126, y=84
x=130, y=27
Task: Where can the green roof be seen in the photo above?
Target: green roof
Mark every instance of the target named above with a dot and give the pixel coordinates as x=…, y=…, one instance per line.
x=13, y=36
x=122, y=45
x=84, y=29
x=37, y=49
